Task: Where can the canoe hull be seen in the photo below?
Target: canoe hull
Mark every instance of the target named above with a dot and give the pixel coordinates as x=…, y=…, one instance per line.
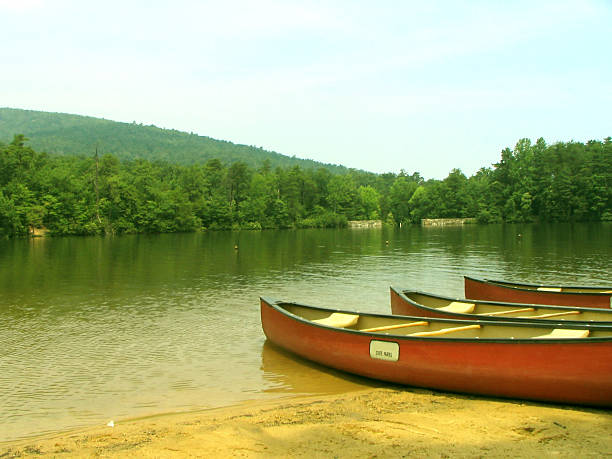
x=477, y=289
x=548, y=371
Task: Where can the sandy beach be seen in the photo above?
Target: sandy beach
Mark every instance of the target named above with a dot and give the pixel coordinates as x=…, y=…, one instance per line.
x=377, y=422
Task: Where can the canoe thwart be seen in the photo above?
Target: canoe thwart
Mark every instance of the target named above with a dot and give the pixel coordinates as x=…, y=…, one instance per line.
x=555, y=314
x=445, y=331
x=393, y=327
x=339, y=320
x=564, y=333
x=510, y=311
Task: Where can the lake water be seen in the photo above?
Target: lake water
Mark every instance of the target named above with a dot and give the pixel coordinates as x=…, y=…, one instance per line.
x=94, y=329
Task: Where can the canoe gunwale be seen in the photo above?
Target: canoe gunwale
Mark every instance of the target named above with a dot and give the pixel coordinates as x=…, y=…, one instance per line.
x=276, y=304
x=514, y=320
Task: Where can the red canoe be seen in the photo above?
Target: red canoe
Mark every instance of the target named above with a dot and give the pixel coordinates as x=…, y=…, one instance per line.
x=546, y=362
x=588, y=297
x=413, y=303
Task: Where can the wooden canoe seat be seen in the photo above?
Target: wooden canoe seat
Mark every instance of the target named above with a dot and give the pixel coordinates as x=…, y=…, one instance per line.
x=549, y=289
x=564, y=333
x=459, y=307
x=338, y=320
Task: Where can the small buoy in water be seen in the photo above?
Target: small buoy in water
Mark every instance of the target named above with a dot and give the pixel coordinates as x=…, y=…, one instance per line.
x=111, y=424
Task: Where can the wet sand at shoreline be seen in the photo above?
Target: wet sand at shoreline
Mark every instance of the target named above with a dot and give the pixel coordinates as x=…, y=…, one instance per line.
x=374, y=422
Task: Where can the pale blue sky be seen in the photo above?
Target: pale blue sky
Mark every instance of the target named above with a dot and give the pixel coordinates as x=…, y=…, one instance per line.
x=380, y=86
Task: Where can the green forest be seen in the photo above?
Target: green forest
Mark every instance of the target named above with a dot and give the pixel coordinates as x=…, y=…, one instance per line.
x=103, y=194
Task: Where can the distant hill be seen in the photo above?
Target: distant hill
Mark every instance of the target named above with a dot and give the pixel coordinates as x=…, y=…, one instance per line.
x=64, y=134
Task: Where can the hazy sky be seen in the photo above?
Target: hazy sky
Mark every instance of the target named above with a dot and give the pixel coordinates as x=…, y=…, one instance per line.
x=375, y=85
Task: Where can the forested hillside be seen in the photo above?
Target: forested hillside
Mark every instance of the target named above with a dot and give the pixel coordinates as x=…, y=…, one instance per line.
x=104, y=195
x=59, y=133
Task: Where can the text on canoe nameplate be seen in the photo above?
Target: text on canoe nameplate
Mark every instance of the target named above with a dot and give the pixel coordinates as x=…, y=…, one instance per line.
x=384, y=350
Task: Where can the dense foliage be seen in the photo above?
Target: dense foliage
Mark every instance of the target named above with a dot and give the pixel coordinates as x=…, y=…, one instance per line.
x=64, y=134
x=534, y=182
x=103, y=195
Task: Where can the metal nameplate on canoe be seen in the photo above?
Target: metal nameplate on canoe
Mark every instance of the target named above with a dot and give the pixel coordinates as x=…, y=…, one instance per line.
x=384, y=350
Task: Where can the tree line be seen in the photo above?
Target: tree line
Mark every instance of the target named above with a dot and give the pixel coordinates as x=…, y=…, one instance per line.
x=101, y=194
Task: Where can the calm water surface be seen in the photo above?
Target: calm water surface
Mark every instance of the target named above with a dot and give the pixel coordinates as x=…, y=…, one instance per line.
x=94, y=329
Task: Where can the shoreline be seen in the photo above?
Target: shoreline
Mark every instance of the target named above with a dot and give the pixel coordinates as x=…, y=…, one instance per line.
x=383, y=422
